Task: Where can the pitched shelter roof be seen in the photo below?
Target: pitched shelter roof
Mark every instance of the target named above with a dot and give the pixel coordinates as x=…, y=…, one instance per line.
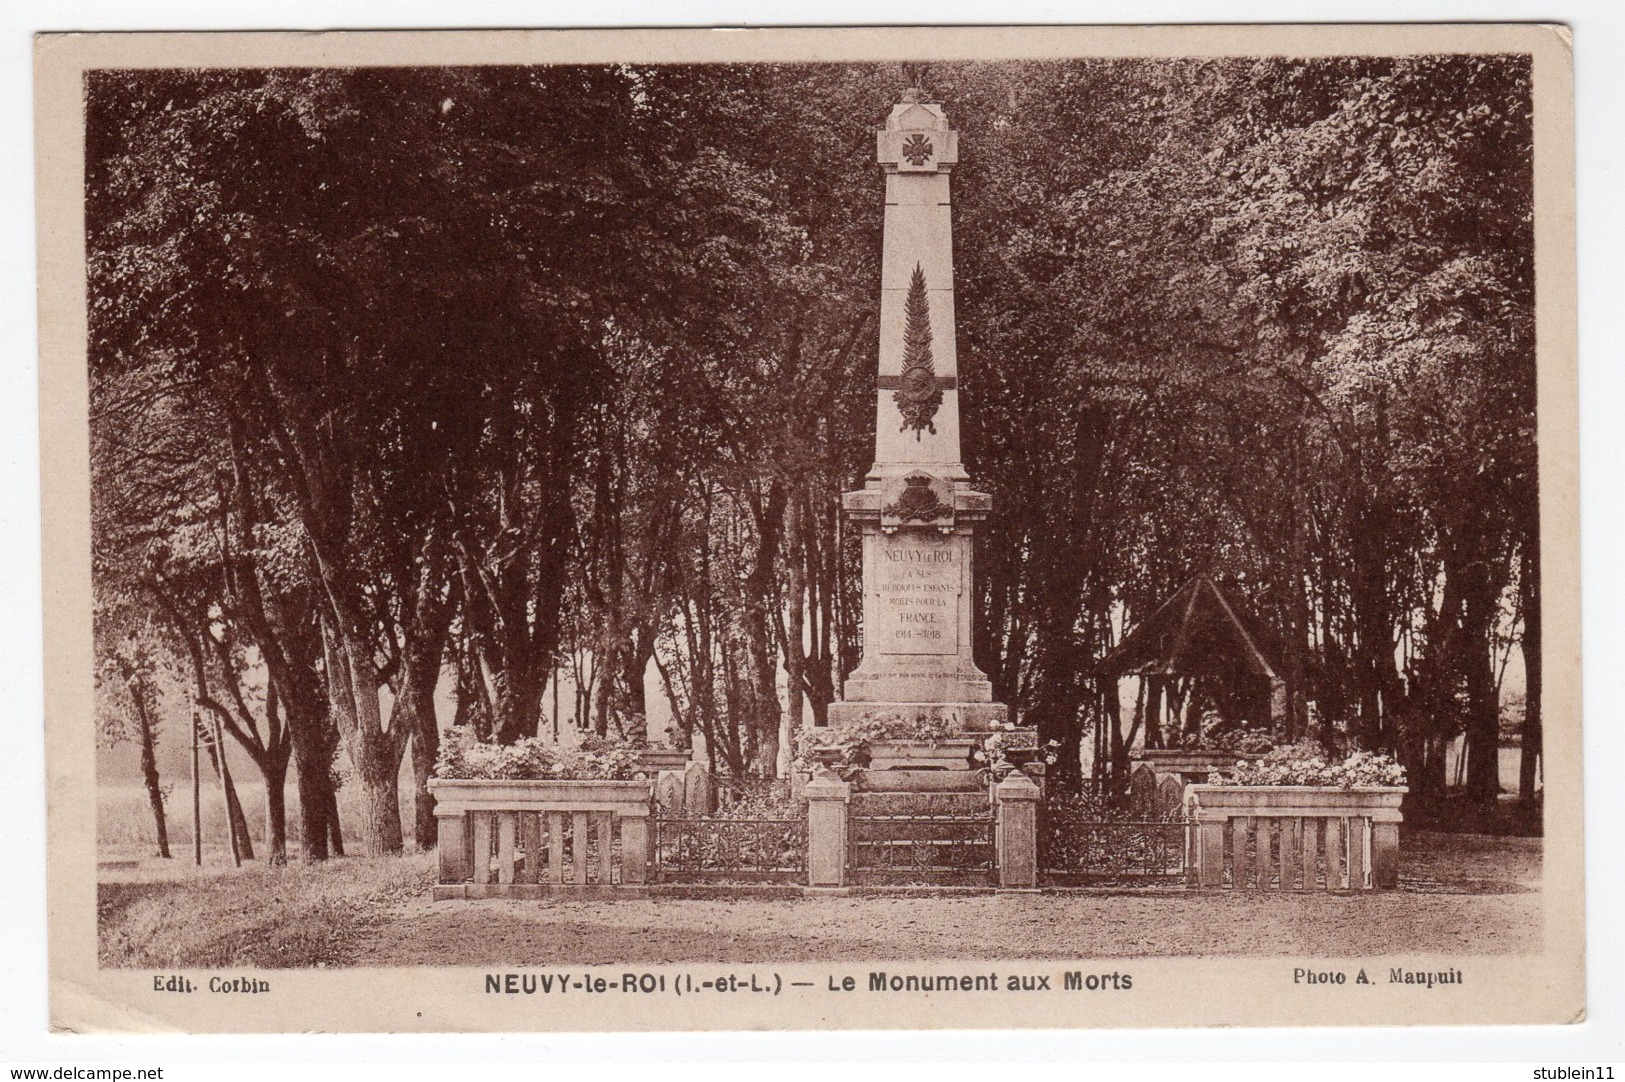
x=1194, y=629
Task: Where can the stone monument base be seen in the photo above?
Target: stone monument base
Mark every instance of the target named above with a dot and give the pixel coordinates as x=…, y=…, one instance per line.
x=962, y=717
x=951, y=754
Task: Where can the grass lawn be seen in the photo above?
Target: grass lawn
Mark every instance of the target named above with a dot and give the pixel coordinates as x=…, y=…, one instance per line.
x=166, y=914
x=1459, y=894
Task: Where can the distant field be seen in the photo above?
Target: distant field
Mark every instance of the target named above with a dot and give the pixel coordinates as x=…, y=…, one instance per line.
x=124, y=817
x=1509, y=761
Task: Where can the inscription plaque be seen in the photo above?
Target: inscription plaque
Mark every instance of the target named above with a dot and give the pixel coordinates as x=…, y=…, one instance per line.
x=918, y=582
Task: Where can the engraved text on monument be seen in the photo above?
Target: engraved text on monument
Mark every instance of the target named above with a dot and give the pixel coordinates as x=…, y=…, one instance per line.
x=918, y=582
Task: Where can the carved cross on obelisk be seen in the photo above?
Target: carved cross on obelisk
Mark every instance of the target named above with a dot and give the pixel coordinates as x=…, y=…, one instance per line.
x=917, y=510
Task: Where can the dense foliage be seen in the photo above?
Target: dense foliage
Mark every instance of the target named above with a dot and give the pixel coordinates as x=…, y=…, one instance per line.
x=407, y=379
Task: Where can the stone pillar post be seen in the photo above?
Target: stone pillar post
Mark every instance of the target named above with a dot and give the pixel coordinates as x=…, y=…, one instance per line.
x=1384, y=853
x=634, y=849
x=451, y=843
x=827, y=799
x=1205, y=867
x=1017, y=830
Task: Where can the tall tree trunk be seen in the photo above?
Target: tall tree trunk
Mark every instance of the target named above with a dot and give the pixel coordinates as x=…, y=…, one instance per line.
x=1529, y=583
x=314, y=743
x=1296, y=625
x=762, y=693
x=380, y=808
x=1482, y=745
x=425, y=828
x=378, y=774
x=149, y=766
x=375, y=753
x=601, y=695
x=276, y=809
x=795, y=648
x=635, y=658
x=241, y=842
x=335, y=830
x=759, y=601
x=518, y=701
x=1437, y=712
x=413, y=686
x=414, y=713
x=474, y=708
x=1120, y=745
x=315, y=792
x=1373, y=646
x=822, y=556
x=1153, y=689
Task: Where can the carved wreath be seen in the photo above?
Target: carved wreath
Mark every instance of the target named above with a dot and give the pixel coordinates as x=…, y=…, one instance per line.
x=918, y=394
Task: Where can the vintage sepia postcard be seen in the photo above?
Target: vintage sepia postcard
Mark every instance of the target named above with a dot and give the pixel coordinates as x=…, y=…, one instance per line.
x=693, y=529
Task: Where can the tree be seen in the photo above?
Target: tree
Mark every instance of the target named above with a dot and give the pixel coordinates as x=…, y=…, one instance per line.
x=412, y=376
x=128, y=710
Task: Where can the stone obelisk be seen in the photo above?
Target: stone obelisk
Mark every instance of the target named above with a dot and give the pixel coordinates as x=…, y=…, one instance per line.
x=917, y=510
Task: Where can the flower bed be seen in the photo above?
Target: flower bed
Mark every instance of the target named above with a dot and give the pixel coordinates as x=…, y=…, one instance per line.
x=519, y=819
x=1295, y=821
x=849, y=748
x=464, y=757
x=1012, y=749
x=1305, y=763
x=891, y=741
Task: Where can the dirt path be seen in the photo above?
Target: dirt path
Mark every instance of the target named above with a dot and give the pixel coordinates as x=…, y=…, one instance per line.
x=1460, y=895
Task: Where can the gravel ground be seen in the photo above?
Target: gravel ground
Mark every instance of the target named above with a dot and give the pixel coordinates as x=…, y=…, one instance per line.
x=1460, y=894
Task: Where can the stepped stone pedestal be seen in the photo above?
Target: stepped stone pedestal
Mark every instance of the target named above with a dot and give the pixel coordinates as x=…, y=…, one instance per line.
x=917, y=510
x=911, y=756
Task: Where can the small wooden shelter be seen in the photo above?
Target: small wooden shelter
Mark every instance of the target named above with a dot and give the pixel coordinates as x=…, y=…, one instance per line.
x=1199, y=649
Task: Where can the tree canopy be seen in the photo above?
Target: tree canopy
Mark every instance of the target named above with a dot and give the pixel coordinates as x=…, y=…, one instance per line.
x=412, y=377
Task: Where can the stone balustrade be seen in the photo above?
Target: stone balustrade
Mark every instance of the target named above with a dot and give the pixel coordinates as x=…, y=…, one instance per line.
x=1295, y=837
x=528, y=838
